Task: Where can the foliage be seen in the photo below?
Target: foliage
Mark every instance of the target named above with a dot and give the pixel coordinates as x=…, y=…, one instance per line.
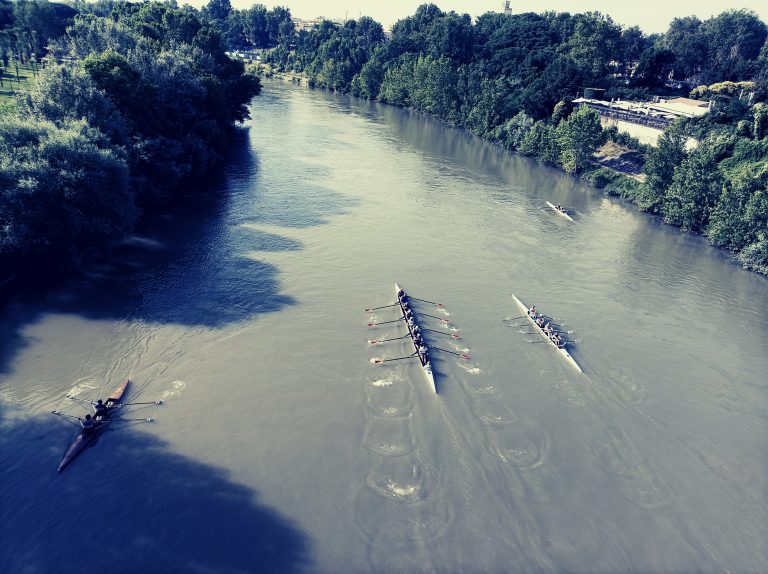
x=63, y=189
x=695, y=189
x=660, y=165
x=579, y=135
x=143, y=102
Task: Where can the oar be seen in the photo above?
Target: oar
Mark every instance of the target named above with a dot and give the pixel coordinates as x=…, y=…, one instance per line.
x=377, y=341
x=438, y=305
x=443, y=319
x=453, y=335
x=462, y=355
x=514, y=318
x=379, y=360
x=73, y=398
x=160, y=402
x=61, y=414
x=147, y=420
x=385, y=322
x=382, y=307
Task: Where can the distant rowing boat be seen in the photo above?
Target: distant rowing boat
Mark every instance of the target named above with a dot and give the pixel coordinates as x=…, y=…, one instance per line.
x=560, y=211
x=426, y=366
x=83, y=439
x=562, y=351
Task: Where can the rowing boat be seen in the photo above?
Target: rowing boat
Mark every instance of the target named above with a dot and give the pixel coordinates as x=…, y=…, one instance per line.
x=82, y=440
x=560, y=211
x=562, y=351
x=426, y=366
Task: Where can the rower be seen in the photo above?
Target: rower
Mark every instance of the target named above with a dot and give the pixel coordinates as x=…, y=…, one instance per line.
x=559, y=207
x=416, y=331
x=423, y=352
x=87, y=424
x=411, y=323
x=402, y=297
x=100, y=409
x=532, y=311
x=548, y=328
x=540, y=321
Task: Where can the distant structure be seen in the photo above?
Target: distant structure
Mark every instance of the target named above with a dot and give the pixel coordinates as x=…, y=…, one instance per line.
x=505, y=5
x=643, y=120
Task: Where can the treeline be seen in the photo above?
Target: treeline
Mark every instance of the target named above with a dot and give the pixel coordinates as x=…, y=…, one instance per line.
x=134, y=101
x=513, y=78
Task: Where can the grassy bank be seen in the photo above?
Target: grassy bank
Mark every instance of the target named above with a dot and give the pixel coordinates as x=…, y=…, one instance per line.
x=15, y=78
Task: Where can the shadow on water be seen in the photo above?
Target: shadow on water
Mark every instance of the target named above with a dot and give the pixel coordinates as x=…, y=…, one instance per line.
x=197, y=265
x=129, y=505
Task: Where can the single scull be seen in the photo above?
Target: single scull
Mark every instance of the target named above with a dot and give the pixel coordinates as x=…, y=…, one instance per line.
x=560, y=211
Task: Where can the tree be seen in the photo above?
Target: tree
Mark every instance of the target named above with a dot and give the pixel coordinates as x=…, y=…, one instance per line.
x=62, y=190
x=218, y=10
x=695, y=190
x=734, y=40
x=542, y=143
x=741, y=213
x=660, y=165
x=686, y=40
x=579, y=135
x=512, y=133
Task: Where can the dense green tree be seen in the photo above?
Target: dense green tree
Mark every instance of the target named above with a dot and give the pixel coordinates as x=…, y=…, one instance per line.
x=741, y=213
x=63, y=190
x=734, y=40
x=512, y=132
x=542, y=143
x=63, y=94
x=695, y=190
x=660, y=164
x=686, y=40
x=579, y=136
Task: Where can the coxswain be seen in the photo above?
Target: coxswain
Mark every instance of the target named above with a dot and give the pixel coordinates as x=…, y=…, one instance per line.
x=402, y=297
x=87, y=424
x=100, y=409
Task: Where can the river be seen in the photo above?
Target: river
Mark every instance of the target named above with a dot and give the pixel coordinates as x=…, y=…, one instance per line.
x=280, y=447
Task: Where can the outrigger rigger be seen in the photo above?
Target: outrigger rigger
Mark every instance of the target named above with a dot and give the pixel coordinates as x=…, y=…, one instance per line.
x=409, y=315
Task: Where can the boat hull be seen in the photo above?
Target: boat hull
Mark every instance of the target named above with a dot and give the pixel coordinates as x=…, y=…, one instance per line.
x=562, y=352
x=82, y=440
x=426, y=366
x=563, y=213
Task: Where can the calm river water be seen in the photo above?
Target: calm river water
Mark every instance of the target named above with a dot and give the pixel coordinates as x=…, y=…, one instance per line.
x=281, y=448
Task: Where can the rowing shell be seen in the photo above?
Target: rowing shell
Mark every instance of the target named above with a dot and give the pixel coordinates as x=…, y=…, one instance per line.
x=426, y=366
x=102, y=422
x=565, y=354
x=560, y=211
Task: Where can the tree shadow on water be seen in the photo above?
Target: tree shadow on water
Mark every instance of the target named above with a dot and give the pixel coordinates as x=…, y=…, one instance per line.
x=199, y=264
x=127, y=505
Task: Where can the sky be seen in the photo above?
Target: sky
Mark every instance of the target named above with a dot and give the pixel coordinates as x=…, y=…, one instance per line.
x=651, y=15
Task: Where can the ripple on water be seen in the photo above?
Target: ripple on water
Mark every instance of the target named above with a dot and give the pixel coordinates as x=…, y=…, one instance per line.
x=520, y=443
x=390, y=397
x=403, y=479
x=175, y=389
x=392, y=436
